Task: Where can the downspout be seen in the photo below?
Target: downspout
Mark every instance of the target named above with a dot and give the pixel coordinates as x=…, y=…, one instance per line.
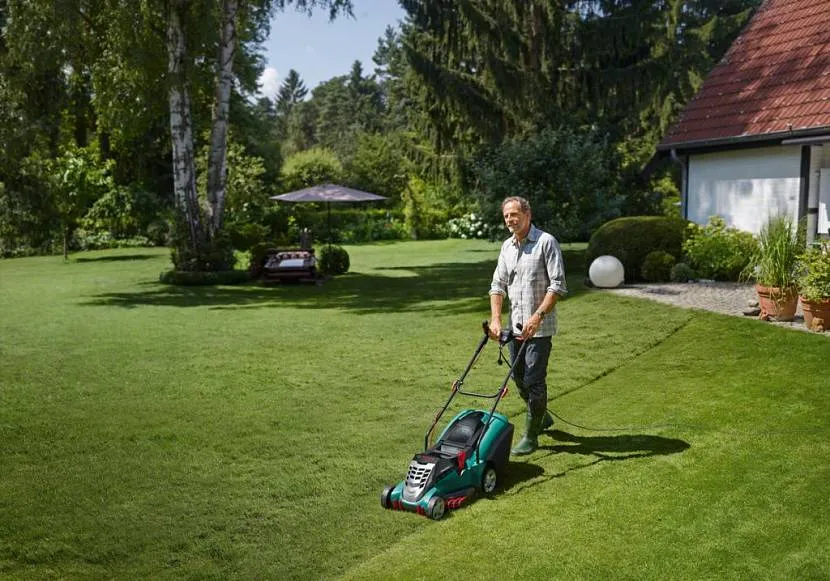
x=813, y=193
x=684, y=183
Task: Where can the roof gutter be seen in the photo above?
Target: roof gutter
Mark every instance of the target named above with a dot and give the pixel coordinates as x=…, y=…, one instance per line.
x=815, y=135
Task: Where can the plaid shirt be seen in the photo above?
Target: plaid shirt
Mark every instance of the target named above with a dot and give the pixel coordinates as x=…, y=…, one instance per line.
x=527, y=270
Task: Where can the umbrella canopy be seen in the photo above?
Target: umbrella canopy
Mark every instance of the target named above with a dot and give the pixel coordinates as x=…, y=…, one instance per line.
x=328, y=193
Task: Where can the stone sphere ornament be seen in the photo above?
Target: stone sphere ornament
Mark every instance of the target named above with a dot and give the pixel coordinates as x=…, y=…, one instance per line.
x=606, y=272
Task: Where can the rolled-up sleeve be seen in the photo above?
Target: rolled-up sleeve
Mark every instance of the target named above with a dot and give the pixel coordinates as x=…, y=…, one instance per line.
x=555, y=268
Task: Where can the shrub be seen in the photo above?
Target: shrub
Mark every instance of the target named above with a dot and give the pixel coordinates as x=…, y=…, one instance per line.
x=334, y=260
x=631, y=239
x=471, y=226
x=682, y=272
x=195, y=278
x=814, y=273
x=257, y=254
x=569, y=177
x=716, y=251
x=310, y=168
x=657, y=266
x=208, y=256
x=245, y=235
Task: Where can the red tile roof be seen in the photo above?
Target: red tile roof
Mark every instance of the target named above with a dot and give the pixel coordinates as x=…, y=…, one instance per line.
x=774, y=80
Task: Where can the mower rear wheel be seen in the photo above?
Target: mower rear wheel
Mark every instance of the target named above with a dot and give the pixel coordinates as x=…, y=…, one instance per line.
x=386, y=497
x=489, y=480
x=436, y=508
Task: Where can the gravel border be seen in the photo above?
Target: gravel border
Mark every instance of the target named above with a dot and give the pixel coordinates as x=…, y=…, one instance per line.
x=727, y=298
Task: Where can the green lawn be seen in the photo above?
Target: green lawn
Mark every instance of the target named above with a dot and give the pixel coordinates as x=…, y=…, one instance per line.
x=153, y=432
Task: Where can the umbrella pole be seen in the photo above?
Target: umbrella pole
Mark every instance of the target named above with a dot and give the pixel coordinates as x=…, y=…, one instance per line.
x=328, y=207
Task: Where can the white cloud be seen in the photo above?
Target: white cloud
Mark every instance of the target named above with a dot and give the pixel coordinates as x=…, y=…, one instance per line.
x=269, y=83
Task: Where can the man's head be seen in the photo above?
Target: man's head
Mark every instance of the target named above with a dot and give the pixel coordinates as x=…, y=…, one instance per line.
x=516, y=212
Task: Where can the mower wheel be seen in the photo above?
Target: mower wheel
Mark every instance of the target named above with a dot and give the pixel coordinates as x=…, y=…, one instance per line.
x=436, y=507
x=386, y=497
x=489, y=480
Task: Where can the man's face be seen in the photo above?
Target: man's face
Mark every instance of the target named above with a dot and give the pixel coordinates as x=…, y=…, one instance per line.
x=517, y=222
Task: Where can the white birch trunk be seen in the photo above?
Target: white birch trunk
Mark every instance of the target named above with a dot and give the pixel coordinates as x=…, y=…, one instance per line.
x=181, y=124
x=217, y=160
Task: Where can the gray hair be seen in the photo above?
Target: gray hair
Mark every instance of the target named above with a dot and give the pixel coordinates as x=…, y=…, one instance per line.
x=524, y=205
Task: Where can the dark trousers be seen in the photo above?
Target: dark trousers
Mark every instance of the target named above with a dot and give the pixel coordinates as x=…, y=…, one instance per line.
x=531, y=371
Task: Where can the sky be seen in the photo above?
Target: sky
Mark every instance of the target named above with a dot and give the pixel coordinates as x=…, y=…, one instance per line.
x=319, y=49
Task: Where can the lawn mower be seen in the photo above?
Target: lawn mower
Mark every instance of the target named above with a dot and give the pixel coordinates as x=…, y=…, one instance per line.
x=470, y=454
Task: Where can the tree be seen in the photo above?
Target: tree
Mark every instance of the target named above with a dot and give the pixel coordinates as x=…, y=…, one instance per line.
x=181, y=123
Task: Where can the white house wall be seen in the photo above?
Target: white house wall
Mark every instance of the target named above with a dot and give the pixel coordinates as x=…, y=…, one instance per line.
x=744, y=187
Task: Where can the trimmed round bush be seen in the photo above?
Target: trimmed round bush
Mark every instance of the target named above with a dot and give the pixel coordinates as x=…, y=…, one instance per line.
x=333, y=260
x=630, y=240
x=682, y=272
x=657, y=266
x=258, y=254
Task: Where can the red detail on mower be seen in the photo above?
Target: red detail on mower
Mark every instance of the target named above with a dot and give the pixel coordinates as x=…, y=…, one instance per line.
x=456, y=502
x=462, y=460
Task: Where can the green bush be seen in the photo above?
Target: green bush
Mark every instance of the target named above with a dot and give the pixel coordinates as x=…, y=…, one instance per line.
x=631, y=239
x=682, y=272
x=243, y=236
x=257, y=254
x=348, y=225
x=814, y=275
x=209, y=255
x=569, y=177
x=716, y=251
x=657, y=266
x=195, y=278
x=472, y=225
x=333, y=260
x=310, y=168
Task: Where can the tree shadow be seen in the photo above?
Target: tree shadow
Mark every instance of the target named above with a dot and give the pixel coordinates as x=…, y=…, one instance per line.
x=117, y=258
x=458, y=287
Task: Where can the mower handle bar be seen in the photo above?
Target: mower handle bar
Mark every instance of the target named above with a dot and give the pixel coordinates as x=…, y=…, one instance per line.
x=456, y=386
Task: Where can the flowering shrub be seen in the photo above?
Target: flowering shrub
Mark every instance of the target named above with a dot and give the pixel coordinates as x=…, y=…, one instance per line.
x=470, y=226
x=718, y=252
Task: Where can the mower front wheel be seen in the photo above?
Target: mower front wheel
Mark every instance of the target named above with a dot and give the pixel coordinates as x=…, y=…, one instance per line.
x=489, y=480
x=436, y=508
x=386, y=497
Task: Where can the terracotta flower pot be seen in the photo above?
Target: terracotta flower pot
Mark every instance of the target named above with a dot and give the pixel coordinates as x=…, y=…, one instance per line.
x=816, y=314
x=778, y=304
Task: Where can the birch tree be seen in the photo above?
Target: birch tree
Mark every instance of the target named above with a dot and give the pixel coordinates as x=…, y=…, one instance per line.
x=203, y=231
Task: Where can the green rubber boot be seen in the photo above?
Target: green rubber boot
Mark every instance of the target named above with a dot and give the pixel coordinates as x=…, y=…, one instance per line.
x=547, y=421
x=530, y=440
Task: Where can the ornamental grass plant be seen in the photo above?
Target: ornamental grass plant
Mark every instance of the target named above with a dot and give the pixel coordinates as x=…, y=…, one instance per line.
x=775, y=261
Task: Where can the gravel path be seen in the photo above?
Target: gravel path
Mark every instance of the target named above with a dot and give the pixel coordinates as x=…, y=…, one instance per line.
x=728, y=298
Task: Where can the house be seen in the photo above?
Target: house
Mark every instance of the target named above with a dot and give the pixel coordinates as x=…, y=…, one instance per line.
x=755, y=140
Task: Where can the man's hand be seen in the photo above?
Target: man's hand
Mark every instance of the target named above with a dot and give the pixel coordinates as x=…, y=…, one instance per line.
x=531, y=326
x=494, y=326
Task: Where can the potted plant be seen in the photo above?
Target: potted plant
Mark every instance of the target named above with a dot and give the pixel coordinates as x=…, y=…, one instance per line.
x=814, y=286
x=774, y=267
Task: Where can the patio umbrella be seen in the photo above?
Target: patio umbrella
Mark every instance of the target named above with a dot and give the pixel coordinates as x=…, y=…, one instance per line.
x=328, y=193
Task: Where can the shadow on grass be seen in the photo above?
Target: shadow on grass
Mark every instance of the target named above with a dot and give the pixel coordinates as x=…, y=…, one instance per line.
x=622, y=447
x=445, y=288
x=600, y=448
x=121, y=258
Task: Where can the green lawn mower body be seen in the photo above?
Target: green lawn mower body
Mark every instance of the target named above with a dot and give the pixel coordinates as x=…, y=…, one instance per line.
x=470, y=455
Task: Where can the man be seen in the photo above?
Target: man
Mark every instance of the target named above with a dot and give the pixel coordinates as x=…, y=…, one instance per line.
x=530, y=272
